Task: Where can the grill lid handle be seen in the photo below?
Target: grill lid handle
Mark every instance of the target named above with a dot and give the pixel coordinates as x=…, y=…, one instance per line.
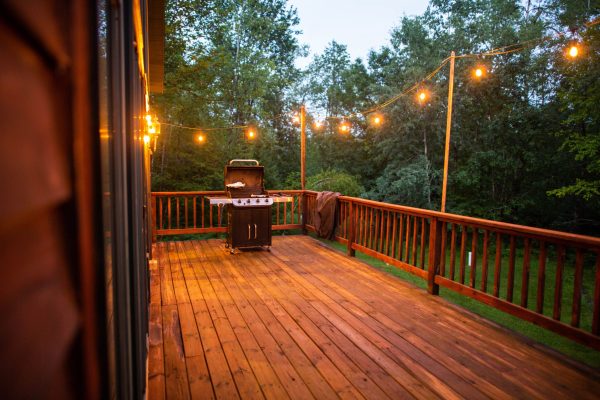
x=243, y=161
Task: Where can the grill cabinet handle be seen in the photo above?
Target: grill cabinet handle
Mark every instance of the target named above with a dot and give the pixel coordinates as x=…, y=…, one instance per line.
x=255, y=229
x=248, y=231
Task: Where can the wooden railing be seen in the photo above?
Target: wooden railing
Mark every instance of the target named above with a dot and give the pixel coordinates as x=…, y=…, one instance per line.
x=549, y=278
x=546, y=277
x=176, y=213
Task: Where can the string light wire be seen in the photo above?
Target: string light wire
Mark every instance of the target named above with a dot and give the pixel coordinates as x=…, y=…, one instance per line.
x=503, y=50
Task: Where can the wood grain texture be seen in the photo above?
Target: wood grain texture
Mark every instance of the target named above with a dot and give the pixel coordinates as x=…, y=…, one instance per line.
x=304, y=321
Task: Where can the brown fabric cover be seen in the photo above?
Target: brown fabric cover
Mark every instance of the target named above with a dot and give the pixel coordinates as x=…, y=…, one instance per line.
x=324, y=214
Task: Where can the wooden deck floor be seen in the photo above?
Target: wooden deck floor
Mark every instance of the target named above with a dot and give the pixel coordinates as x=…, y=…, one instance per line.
x=304, y=321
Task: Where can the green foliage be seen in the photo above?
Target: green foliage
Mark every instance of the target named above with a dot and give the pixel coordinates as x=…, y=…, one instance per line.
x=228, y=62
x=579, y=96
x=411, y=184
x=525, y=141
x=335, y=181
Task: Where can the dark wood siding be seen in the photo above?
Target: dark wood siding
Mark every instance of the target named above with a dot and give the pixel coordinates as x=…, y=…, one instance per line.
x=73, y=239
x=46, y=235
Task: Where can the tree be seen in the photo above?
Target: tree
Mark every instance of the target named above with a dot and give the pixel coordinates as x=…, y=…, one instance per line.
x=228, y=62
x=579, y=96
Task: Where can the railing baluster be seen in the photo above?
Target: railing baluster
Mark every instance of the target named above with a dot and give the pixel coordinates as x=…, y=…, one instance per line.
x=596, y=305
x=351, y=228
x=435, y=236
x=497, y=264
x=444, y=239
x=474, y=239
x=387, y=233
x=406, y=252
x=177, y=217
x=400, y=230
x=525, y=275
x=414, y=242
x=422, y=249
x=484, y=261
x=560, y=264
x=202, y=209
x=185, y=199
x=453, y=252
x=169, y=210
x=377, y=243
x=511, y=271
x=394, y=227
x=463, y=254
x=371, y=227
x=381, y=232
x=541, y=283
x=194, y=210
x=576, y=309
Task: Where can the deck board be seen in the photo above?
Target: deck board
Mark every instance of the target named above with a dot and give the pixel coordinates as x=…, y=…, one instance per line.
x=304, y=321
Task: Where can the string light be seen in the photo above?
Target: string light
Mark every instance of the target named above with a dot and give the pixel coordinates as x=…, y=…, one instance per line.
x=479, y=72
x=200, y=138
x=251, y=134
x=377, y=119
x=344, y=127
x=153, y=126
x=146, y=139
x=422, y=96
x=573, y=51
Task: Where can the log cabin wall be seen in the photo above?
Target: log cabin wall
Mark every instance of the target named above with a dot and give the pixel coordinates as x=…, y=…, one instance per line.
x=73, y=252
x=47, y=241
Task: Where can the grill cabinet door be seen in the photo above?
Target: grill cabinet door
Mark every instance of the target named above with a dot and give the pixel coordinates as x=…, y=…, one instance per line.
x=240, y=223
x=249, y=226
x=261, y=220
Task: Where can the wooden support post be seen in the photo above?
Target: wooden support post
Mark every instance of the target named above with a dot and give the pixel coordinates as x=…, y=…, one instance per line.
x=303, y=166
x=448, y=129
x=351, y=228
x=304, y=212
x=302, y=147
x=435, y=246
x=153, y=218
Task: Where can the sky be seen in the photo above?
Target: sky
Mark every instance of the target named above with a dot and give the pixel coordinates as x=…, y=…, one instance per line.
x=360, y=25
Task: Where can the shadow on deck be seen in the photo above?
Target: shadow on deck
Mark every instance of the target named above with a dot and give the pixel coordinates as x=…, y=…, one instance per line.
x=304, y=321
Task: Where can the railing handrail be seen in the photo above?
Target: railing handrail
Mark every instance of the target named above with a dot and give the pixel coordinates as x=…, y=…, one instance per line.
x=505, y=227
x=532, y=232
x=217, y=192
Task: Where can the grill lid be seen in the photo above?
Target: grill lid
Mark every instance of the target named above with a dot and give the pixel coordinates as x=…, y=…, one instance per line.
x=242, y=180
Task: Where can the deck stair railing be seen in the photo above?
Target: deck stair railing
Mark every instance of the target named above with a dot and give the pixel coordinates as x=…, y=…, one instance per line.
x=546, y=277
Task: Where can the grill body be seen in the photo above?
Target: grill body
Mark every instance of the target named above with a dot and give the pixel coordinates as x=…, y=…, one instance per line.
x=249, y=216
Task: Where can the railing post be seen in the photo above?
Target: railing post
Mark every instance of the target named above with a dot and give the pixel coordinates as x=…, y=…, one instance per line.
x=350, y=251
x=435, y=246
x=153, y=219
x=304, y=212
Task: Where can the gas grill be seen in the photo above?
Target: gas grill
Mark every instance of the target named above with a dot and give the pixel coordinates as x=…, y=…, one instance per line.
x=248, y=205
